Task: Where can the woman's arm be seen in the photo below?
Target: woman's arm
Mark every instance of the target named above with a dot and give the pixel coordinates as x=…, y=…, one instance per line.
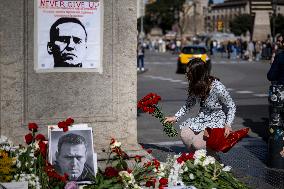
x=190, y=102
x=228, y=102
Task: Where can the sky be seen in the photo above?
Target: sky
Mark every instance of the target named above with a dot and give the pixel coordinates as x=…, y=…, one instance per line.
x=218, y=1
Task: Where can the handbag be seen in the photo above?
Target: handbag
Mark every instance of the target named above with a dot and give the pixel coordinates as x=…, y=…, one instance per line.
x=218, y=142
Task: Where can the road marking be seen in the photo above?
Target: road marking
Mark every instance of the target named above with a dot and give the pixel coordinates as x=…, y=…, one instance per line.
x=161, y=63
x=186, y=83
x=166, y=79
x=244, y=92
x=231, y=62
x=260, y=95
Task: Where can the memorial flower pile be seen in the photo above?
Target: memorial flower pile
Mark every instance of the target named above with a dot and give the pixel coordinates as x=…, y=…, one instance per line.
x=120, y=172
x=194, y=170
x=201, y=171
x=30, y=163
x=149, y=104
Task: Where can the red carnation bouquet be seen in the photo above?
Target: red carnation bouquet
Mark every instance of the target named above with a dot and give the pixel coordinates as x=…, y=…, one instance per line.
x=149, y=104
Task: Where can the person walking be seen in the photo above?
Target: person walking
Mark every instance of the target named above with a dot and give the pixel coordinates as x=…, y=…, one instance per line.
x=213, y=97
x=250, y=50
x=140, y=57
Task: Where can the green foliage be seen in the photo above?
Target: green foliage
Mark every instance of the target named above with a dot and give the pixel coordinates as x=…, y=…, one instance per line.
x=162, y=13
x=279, y=24
x=210, y=176
x=241, y=24
x=168, y=127
x=102, y=182
x=210, y=2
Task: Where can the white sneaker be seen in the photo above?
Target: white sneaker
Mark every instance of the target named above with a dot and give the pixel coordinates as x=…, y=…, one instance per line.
x=142, y=69
x=138, y=69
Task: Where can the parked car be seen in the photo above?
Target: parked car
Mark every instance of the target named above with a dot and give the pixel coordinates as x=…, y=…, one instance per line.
x=190, y=52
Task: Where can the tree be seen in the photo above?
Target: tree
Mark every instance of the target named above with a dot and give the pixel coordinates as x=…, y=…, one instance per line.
x=162, y=13
x=210, y=2
x=279, y=24
x=241, y=24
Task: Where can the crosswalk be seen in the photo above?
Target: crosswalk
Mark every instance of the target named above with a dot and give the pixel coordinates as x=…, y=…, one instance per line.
x=241, y=92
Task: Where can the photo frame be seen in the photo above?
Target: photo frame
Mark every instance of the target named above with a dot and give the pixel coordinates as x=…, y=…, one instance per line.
x=72, y=152
x=68, y=36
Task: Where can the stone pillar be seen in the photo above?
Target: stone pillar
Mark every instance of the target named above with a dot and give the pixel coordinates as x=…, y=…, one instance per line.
x=261, y=26
x=106, y=101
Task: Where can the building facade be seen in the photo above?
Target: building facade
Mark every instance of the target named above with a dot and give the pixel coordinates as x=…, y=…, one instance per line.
x=219, y=15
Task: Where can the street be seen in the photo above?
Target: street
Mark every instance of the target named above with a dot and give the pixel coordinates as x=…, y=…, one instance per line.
x=248, y=86
x=245, y=80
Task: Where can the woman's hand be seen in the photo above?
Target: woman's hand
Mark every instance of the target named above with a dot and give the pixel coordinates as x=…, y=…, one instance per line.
x=228, y=130
x=171, y=119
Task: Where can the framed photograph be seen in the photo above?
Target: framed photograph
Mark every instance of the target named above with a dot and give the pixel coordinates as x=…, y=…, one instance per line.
x=68, y=36
x=72, y=152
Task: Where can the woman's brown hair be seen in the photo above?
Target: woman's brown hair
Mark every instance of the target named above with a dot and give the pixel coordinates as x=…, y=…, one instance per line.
x=199, y=78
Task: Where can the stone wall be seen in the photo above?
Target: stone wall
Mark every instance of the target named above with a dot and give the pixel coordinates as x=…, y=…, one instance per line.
x=107, y=101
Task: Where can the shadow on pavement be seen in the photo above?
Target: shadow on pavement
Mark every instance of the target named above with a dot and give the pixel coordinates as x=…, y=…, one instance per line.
x=256, y=118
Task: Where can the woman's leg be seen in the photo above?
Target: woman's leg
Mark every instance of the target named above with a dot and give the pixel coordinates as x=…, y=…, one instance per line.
x=187, y=136
x=198, y=141
x=192, y=139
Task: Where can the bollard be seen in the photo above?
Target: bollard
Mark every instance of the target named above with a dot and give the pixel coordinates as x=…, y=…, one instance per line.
x=276, y=127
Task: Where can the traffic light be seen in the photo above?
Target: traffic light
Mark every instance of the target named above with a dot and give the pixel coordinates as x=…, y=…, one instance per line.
x=220, y=25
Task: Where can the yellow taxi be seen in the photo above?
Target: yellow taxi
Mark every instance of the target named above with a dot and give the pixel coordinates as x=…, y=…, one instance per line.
x=190, y=52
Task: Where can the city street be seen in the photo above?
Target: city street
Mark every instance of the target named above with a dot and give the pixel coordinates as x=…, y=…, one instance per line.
x=248, y=86
x=245, y=80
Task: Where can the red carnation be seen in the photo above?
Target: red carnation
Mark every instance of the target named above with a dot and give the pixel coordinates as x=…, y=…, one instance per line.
x=43, y=149
x=112, y=141
x=69, y=121
x=150, y=183
x=62, y=124
x=180, y=160
x=149, y=151
x=65, y=129
x=29, y=138
x=163, y=181
x=40, y=137
x=33, y=127
x=111, y=172
x=190, y=156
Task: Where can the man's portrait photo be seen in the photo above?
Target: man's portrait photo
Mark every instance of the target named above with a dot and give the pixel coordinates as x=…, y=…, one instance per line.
x=68, y=40
x=72, y=153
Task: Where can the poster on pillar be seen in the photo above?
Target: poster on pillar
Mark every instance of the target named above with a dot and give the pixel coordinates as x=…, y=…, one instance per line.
x=68, y=35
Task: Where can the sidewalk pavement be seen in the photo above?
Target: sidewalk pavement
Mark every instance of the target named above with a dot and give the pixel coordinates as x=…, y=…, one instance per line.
x=247, y=158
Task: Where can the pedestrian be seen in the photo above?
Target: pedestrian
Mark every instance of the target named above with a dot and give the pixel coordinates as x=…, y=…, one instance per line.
x=276, y=46
x=229, y=49
x=276, y=71
x=212, y=97
x=140, y=57
x=250, y=50
x=276, y=115
x=258, y=49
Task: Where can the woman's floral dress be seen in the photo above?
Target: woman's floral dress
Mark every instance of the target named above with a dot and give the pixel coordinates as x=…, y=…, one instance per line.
x=215, y=111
